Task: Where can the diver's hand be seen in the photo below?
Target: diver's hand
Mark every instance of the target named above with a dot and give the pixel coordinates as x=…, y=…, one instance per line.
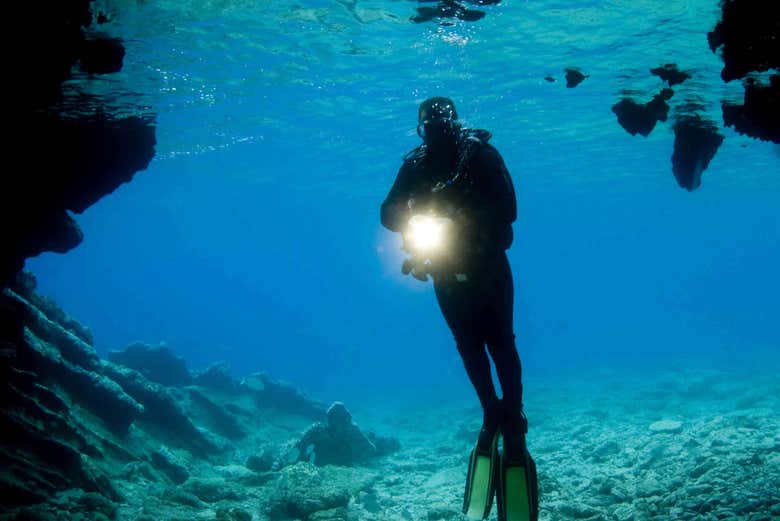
x=420, y=273
x=419, y=270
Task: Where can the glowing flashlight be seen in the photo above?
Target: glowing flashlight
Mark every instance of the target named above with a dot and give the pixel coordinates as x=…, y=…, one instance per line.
x=426, y=233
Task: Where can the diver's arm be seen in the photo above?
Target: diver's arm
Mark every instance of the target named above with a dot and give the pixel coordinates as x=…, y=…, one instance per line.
x=395, y=209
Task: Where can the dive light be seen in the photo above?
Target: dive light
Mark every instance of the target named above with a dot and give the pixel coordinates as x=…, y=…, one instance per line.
x=427, y=234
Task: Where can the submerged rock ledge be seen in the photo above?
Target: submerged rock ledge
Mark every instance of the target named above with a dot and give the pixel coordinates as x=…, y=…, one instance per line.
x=84, y=435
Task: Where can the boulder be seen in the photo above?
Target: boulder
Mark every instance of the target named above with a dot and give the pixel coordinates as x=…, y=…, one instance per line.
x=303, y=489
x=338, y=441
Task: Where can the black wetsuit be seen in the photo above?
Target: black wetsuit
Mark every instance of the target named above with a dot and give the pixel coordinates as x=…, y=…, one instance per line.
x=478, y=310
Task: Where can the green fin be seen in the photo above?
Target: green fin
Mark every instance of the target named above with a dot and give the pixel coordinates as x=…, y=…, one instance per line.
x=480, y=481
x=517, y=490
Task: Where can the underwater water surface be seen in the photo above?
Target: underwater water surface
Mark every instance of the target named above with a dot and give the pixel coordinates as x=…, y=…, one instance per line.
x=254, y=235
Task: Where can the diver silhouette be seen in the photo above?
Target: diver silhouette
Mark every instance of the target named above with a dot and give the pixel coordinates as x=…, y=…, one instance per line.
x=454, y=202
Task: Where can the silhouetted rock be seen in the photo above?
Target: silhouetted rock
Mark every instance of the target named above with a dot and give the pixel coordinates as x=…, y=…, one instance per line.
x=638, y=118
x=69, y=166
x=157, y=363
x=574, y=77
x=217, y=377
x=69, y=162
x=447, y=9
x=45, y=57
x=759, y=116
x=749, y=37
x=695, y=143
x=670, y=74
x=102, y=55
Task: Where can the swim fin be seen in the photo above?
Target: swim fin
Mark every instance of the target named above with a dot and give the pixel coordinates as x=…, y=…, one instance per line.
x=480, y=480
x=517, y=490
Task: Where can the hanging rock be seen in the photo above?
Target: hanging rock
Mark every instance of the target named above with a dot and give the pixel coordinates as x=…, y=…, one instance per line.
x=637, y=118
x=695, y=143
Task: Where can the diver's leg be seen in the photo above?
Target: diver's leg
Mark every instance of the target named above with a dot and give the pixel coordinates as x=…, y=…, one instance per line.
x=457, y=305
x=499, y=334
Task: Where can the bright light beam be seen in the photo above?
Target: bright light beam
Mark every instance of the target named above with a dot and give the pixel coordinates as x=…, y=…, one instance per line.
x=426, y=233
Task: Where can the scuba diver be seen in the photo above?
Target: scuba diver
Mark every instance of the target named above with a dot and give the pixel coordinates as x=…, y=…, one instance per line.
x=454, y=202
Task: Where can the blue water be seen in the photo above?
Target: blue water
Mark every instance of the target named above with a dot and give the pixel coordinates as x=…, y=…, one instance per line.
x=254, y=235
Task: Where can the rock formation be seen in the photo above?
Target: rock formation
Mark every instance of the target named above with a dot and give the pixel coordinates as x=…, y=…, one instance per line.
x=695, y=143
x=670, y=74
x=640, y=118
x=84, y=435
x=748, y=37
x=70, y=160
x=574, y=77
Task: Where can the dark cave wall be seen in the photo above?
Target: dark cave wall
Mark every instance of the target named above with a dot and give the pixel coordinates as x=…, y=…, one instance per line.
x=62, y=164
x=57, y=165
